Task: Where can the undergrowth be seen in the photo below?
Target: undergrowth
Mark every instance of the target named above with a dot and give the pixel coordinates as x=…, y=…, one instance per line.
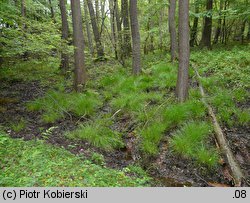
x=36, y=164
x=99, y=134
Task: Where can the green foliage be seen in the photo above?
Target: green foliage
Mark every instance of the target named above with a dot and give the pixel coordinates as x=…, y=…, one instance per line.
x=151, y=137
x=46, y=71
x=36, y=164
x=177, y=114
x=19, y=126
x=55, y=105
x=99, y=134
x=98, y=159
x=189, y=141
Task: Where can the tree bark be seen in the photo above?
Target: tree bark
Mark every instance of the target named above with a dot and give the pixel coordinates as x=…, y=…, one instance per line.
x=207, y=29
x=184, y=51
x=160, y=29
x=193, y=40
x=136, y=50
x=86, y=18
x=243, y=31
x=97, y=13
x=99, y=47
x=113, y=28
x=80, y=71
x=65, y=35
x=248, y=33
x=119, y=30
x=218, y=29
x=126, y=30
x=172, y=29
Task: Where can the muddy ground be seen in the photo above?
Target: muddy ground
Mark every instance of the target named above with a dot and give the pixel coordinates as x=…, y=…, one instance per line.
x=167, y=169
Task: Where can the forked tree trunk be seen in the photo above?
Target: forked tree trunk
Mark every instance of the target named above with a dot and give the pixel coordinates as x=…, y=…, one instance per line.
x=207, y=29
x=65, y=35
x=184, y=51
x=80, y=71
x=136, y=50
x=172, y=29
x=98, y=42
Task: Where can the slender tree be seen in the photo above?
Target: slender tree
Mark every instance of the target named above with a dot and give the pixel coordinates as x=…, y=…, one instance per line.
x=194, y=31
x=207, y=29
x=184, y=51
x=80, y=71
x=97, y=13
x=99, y=47
x=218, y=28
x=65, y=35
x=119, y=31
x=172, y=29
x=113, y=27
x=86, y=19
x=136, y=50
x=126, y=30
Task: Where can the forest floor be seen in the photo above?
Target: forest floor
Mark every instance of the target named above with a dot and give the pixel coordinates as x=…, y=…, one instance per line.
x=27, y=93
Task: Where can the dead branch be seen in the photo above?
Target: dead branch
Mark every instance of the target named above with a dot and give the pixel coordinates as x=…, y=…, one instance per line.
x=234, y=166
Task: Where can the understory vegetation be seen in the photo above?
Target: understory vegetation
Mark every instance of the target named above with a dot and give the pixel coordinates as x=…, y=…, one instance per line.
x=147, y=103
x=124, y=93
x=53, y=166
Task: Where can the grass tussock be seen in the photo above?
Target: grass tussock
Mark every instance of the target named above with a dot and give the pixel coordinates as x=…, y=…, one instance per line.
x=190, y=142
x=99, y=134
x=56, y=105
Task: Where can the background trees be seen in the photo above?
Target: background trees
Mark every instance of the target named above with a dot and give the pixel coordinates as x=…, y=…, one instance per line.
x=112, y=23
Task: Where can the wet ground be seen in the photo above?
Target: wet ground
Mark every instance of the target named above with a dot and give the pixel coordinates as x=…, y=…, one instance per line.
x=167, y=169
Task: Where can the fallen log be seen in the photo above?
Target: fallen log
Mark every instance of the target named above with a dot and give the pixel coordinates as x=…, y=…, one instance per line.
x=221, y=140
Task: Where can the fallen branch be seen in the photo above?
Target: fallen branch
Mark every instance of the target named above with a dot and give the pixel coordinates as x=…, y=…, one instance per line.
x=236, y=170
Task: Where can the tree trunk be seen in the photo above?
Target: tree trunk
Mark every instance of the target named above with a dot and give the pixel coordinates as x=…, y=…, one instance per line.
x=126, y=30
x=193, y=40
x=172, y=29
x=97, y=13
x=65, y=35
x=113, y=28
x=160, y=29
x=98, y=42
x=52, y=12
x=184, y=51
x=248, y=33
x=243, y=31
x=207, y=30
x=119, y=30
x=80, y=71
x=86, y=18
x=136, y=50
x=218, y=29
